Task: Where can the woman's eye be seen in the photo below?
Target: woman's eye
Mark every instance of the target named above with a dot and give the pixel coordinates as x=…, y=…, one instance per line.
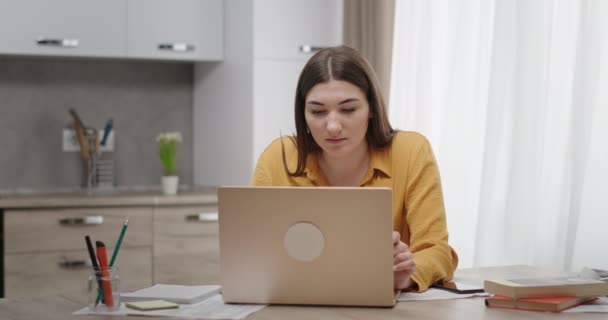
x=348, y=110
x=317, y=112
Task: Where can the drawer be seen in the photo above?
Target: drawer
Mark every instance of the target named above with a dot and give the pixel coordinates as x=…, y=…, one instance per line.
x=34, y=274
x=185, y=222
x=47, y=230
x=186, y=245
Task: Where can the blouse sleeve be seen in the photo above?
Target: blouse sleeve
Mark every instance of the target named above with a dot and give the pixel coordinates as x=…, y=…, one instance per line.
x=260, y=177
x=426, y=221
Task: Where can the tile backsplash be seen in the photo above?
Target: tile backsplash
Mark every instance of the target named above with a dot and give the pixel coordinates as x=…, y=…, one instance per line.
x=143, y=97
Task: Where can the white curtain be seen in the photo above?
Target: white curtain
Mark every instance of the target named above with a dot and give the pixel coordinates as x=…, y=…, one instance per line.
x=513, y=95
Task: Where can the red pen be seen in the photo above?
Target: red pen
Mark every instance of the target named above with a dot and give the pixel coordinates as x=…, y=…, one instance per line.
x=102, y=256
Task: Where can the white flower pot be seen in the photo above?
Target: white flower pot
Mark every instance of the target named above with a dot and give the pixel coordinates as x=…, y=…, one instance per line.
x=170, y=184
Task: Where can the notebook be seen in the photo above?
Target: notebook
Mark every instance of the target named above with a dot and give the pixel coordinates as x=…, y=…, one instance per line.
x=306, y=245
x=151, y=305
x=172, y=293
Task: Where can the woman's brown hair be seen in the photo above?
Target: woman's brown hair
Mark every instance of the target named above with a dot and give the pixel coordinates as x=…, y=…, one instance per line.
x=346, y=64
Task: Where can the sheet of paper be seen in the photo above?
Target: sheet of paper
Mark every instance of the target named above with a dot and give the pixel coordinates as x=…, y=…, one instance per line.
x=212, y=308
x=600, y=305
x=436, y=294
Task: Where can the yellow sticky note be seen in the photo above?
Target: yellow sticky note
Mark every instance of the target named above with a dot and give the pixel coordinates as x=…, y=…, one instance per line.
x=152, y=305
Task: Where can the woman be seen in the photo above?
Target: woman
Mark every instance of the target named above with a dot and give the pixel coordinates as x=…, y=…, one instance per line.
x=344, y=139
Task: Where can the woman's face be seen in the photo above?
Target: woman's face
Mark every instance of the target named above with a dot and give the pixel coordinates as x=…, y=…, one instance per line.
x=337, y=114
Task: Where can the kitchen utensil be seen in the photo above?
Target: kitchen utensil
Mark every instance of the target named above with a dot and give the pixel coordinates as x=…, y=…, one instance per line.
x=80, y=135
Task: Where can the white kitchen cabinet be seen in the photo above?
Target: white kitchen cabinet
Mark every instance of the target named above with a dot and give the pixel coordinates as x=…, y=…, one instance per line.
x=282, y=27
x=188, y=30
x=273, y=112
x=63, y=27
x=241, y=104
x=175, y=29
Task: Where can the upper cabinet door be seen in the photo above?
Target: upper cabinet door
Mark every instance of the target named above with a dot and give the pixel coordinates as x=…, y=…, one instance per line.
x=294, y=29
x=274, y=89
x=175, y=29
x=63, y=27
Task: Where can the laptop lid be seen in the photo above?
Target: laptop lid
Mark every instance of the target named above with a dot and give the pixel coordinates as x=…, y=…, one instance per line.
x=306, y=245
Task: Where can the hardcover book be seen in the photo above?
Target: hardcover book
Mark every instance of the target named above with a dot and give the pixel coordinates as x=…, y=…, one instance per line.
x=547, y=287
x=552, y=304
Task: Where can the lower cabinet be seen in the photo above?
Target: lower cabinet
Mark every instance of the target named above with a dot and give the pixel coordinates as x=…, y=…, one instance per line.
x=186, y=245
x=45, y=250
x=28, y=274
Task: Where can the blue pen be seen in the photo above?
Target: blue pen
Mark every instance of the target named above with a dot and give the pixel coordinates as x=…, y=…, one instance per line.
x=106, y=131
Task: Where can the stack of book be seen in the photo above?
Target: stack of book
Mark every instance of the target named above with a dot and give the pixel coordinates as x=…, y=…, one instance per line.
x=543, y=294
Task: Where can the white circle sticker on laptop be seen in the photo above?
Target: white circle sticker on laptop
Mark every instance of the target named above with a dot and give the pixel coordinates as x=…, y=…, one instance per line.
x=304, y=241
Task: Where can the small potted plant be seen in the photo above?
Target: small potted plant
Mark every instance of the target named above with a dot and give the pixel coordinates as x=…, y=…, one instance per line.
x=167, y=150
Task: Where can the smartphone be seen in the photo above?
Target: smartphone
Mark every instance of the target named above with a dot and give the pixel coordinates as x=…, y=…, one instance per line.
x=458, y=287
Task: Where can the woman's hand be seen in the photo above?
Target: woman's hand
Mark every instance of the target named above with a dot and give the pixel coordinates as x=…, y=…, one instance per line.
x=403, y=263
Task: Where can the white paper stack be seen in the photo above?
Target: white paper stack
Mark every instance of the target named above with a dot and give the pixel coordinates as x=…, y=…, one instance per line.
x=173, y=293
x=213, y=308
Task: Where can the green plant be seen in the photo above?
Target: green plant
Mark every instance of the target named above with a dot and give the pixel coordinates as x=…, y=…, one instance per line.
x=167, y=150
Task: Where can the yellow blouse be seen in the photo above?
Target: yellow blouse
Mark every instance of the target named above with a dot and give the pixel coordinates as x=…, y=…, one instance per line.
x=408, y=167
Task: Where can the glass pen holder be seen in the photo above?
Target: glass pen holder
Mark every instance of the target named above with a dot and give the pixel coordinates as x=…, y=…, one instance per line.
x=104, y=289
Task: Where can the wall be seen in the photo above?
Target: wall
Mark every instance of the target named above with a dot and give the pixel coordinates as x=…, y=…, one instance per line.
x=223, y=95
x=144, y=98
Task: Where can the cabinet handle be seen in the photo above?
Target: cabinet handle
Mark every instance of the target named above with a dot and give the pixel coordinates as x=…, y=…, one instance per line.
x=63, y=43
x=178, y=47
x=87, y=220
x=203, y=217
x=74, y=264
x=309, y=49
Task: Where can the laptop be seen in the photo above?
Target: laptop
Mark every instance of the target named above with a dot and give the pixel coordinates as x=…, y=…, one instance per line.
x=306, y=245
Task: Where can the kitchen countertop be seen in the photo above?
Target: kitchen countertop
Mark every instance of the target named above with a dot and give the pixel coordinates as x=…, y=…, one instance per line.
x=150, y=196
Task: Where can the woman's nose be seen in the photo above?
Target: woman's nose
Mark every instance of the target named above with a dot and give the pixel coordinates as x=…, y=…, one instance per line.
x=333, y=124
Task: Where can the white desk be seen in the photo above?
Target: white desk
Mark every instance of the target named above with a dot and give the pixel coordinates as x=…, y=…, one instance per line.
x=60, y=308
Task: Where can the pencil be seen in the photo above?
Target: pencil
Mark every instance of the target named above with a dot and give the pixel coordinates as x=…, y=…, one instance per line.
x=91, y=252
x=119, y=242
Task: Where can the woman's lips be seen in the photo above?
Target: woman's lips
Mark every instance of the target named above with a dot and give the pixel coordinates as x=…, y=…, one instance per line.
x=335, y=141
